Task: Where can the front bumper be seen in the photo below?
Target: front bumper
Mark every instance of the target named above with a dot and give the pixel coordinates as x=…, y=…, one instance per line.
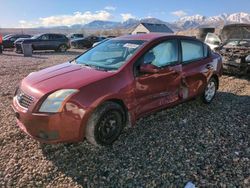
x=51, y=128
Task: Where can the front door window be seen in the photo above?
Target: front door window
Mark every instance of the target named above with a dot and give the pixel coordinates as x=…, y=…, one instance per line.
x=164, y=54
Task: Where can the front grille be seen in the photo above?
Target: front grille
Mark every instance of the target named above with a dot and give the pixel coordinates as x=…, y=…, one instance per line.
x=23, y=99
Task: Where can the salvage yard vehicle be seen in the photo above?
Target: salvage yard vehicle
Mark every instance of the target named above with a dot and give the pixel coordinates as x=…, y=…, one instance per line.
x=233, y=44
x=47, y=41
x=86, y=42
x=235, y=53
x=75, y=36
x=113, y=84
x=8, y=42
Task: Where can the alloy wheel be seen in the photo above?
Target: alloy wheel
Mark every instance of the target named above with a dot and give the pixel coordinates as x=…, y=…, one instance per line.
x=210, y=91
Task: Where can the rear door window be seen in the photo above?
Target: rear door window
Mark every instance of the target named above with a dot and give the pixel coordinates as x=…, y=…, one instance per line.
x=59, y=37
x=193, y=50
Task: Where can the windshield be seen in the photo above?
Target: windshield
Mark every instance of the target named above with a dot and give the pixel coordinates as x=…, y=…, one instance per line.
x=239, y=43
x=7, y=36
x=35, y=36
x=109, y=55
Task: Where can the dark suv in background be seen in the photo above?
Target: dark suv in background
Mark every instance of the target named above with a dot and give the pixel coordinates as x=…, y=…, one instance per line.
x=86, y=42
x=8, y=41
x=75, y=36
x=47, y=41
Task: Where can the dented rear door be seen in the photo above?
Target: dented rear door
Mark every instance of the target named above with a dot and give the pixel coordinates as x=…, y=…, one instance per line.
x=197, y=67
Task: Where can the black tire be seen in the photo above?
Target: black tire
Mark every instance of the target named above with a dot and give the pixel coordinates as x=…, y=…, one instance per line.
x=105, y=124
x=212, y=83
x=80, y=46
x=62, y=48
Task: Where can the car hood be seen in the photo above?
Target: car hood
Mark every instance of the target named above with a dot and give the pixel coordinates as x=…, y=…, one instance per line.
x=25, y=40
x=21, y=39
x=63, y=76
x=235, y=31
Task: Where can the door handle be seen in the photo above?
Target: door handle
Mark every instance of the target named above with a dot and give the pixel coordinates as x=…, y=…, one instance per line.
x=209, y=66
x=174, y=71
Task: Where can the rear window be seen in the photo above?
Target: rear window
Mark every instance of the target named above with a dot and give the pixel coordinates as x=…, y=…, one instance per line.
x=58, y=37
x=241, y=43
x=193, y=50
x=232, y=43
x=78, y=35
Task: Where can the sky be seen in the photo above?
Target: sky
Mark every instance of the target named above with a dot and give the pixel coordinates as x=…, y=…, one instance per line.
x=35, y=13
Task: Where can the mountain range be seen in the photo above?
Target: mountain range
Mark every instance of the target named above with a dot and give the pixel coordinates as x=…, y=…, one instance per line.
x=214, y=21
x=183, y=23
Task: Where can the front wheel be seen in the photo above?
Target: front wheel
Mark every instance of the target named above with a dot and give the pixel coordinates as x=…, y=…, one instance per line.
x=106, y=124
x=62, y=48
x=210, y=91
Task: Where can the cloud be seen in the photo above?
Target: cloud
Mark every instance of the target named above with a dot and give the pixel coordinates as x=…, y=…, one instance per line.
x=75, y=18
x=179, y=13
x=111, y=8
x=127, y=16
x=28, y=24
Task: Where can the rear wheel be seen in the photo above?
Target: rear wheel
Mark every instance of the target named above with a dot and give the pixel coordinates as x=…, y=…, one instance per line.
x=80, y=46
x=106, y=124
x=210, y=91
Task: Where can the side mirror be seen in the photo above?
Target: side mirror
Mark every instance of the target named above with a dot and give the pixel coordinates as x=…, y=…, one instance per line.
x=148, y=68
x=247, y=59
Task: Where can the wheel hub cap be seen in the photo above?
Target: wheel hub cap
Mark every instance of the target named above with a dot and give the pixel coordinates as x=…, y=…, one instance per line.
x=108, y=127
x=210, y=91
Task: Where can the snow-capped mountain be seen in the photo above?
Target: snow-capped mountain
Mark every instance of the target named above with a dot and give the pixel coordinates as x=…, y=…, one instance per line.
x=186, y=22
x=195, y=18
x=219, y=18
x=190, y=21
x=239, y=17
x=99, y=24
x=215, y=21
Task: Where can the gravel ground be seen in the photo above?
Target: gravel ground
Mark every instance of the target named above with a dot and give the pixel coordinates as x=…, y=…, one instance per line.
x=206, y=144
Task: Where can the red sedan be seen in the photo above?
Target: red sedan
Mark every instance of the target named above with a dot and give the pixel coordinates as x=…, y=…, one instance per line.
x=113, y=84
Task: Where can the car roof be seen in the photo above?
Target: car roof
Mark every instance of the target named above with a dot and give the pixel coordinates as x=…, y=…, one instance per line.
x=21, y=35
x=51, y=34
x=151, y=36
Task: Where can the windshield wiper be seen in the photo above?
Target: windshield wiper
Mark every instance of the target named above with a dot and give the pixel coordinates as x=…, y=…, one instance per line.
x=95, y=67
x=92, y=66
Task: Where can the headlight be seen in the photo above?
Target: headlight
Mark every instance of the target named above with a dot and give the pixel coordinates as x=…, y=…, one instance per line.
x=56, y=100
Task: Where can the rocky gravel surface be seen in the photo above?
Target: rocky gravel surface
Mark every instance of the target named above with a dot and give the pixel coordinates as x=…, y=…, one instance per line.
x=208, y=145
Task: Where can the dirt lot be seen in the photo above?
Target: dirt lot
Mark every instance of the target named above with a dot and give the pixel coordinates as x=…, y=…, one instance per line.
x=208, y=145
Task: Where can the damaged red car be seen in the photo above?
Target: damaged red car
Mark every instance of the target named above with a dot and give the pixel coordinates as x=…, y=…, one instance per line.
x=113, y=84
